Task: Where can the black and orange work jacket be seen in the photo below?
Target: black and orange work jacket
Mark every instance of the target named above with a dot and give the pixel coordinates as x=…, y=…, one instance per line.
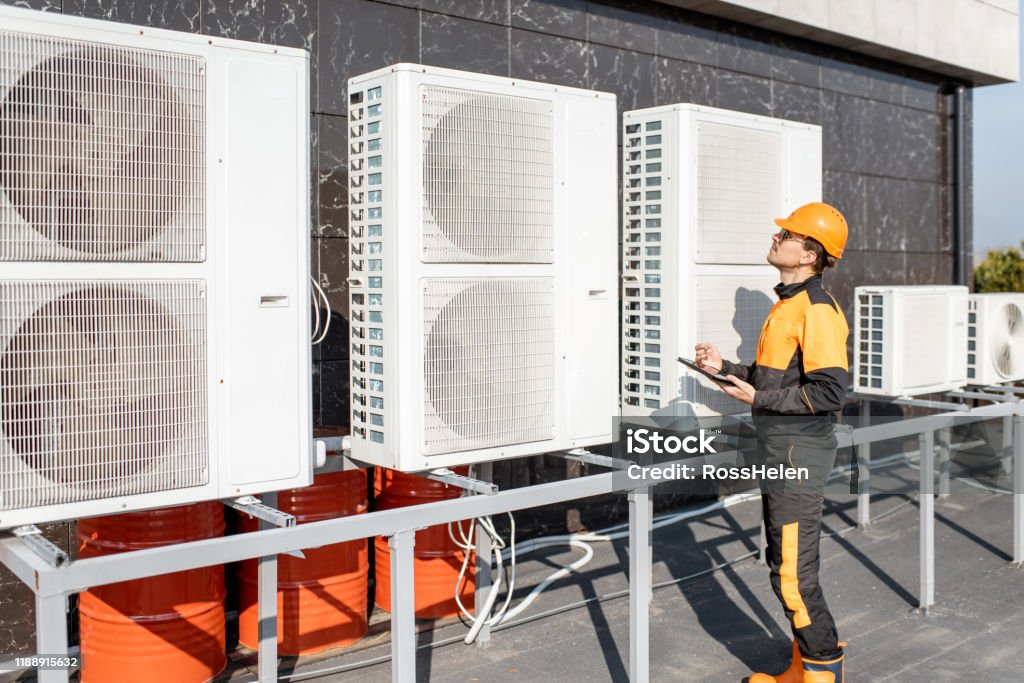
x=801, y=366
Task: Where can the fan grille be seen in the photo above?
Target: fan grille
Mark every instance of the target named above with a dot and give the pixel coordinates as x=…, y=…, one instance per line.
x=1008, y=342
x=489, y=363
x=102, y=390
x=101, y=152
x=738, y=176
x=488, y=171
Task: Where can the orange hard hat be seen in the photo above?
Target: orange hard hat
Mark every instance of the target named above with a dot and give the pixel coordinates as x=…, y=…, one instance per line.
x=820, y=221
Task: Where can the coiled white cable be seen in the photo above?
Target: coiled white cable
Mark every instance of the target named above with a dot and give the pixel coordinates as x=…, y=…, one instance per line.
x=319, y=295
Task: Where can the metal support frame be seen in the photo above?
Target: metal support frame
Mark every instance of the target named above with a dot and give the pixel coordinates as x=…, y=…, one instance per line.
x=585, y=456
x=485, y=471
x=762, y=544
x=945, y=461
x=32, y=537
x=641, y=592
x=864, y=471
x=52, y=634
x=1018, y=490
x=1006, y=456
x=52, y=584
x=446, y=476
x=266, y=587
x=263, y=510
x=926, y=509
x=403, y=607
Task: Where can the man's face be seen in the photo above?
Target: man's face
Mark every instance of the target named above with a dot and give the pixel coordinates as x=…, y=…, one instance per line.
x=787, y=249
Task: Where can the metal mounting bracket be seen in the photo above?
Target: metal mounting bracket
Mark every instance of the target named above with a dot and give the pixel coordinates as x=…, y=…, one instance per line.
x=583, y=455
x=32, y=537
x=446, y=476
x=253, y=506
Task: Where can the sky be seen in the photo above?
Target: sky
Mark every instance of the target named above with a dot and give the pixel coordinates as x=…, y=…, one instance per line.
x=999, y=164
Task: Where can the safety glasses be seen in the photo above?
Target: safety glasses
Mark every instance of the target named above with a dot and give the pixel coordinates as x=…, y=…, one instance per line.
x=787, y=235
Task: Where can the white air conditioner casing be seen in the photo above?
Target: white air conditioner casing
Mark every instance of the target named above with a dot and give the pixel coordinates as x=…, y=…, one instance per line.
x=154, y=263
x=701, y=189
x=995, y=338
x=909, y=339
x=482, y=258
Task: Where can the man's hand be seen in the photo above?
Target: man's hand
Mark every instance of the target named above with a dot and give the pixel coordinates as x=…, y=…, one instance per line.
x=708, y=357
x=739, y=390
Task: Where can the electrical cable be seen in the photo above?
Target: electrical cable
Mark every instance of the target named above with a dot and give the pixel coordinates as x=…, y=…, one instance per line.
x=320, y=295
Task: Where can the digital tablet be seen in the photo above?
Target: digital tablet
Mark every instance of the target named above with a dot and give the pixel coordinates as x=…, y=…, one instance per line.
x=717, y=376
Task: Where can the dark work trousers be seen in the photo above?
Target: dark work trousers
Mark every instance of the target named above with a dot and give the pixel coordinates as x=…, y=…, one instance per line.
x=792, y=516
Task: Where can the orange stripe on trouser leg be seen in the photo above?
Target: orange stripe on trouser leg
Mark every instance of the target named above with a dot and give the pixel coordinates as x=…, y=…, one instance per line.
x=790, y=583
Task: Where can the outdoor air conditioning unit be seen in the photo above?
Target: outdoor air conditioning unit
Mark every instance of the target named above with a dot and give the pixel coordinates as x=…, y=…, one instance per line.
x=995, y=338
x=483, y=271
x=909, y=340
x=702, y=188
x=154, y=297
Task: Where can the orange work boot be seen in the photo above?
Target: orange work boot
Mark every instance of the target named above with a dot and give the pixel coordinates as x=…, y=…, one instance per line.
x=817, y=671
x=794, y=674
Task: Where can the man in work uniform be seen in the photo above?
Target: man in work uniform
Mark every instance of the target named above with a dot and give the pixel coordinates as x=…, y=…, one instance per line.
x=801, y=370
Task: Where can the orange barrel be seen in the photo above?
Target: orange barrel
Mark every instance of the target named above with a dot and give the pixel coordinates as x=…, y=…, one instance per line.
x=321, y=600
x=163, y=628
x=438, y=560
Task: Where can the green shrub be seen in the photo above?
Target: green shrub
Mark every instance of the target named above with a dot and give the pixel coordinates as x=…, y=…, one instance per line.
x=1001, y=271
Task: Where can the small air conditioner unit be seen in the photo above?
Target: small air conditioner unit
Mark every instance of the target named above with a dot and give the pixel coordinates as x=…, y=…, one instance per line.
x=909, y=340
x=154, y=297
x=482, y=258
x=995, y=338
x=701, y=189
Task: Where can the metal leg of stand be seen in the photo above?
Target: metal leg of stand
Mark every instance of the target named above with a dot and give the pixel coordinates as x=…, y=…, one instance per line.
x=267, y=611
x=403, y=608
x=640, y=592
x=864, y=471
x=926, y=503
x=1018, y=490
x=1006, y=459
x=484, y=472
x=52, y=634
x=944, y=462
x=762, y=545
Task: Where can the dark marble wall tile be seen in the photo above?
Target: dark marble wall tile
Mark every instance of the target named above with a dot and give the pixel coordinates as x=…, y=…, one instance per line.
x=630, y=75
x=315, y=387
x=684, y=82
x=335, y=345
x=566, y=18
x=291, y=23
x=888, y=214
x=333, y=273
x=885, y=268
x=332, y=176
x=846, y=192
x=741, y=51
x=796, y=102
x=852, y=77
x=334, y=393
x=793, y=65
x=169, y=14
x=463, y=44
x=46, y=6
x=493, y=11
x=744, y=93
x=688, y=42
x=549, y=59
x=841, y=280
x=401, y=3
x=925, y=218
x=922, y=135
x=922, y=94
x=358, y=36
x=884, y=145
x=626, y=24
x=924, y=269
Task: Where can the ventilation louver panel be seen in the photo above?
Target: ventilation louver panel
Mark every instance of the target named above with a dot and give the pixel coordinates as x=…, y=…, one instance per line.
x=102, y=389
x=738, y=192
x=488, y=172
x=101, y=152
x=488, y=366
